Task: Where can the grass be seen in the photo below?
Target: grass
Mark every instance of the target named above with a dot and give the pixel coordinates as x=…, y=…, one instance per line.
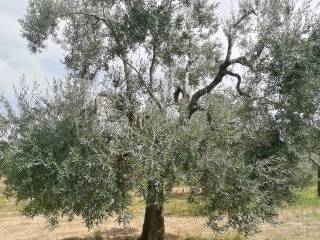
x=308, y=198
x=8, y=206
x=298, y=221
x=306, y=209
x=176, y=205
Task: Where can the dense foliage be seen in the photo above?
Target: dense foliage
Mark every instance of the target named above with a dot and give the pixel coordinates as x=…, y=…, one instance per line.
x=138, y=111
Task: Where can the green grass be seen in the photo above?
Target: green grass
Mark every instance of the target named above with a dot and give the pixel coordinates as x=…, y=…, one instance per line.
x=8, y=206
x=305, y=211
x=308, y=197
x=176, y=205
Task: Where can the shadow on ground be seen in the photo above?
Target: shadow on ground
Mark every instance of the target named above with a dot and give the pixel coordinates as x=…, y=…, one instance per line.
x=119, y=234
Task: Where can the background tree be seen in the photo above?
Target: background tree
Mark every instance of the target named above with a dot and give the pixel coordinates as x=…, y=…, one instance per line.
x=81, y=150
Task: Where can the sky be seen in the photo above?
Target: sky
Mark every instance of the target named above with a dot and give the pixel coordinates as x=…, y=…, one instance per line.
x=15, y=58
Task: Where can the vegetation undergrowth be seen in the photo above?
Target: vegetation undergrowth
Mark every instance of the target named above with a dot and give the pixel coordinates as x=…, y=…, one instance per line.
x=308, y=197
x=177, y=205
x=8, y=206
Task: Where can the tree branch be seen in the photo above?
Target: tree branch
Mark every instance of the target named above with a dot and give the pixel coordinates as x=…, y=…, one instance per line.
x=243, y=61
x=98, y=18
x=242, y=18
x=230, y=45
x=89, y=15
x=140, y=77
x=153, y=64
x=229, y=35
x=238, y=83
x=314, y=161
x=193, y=105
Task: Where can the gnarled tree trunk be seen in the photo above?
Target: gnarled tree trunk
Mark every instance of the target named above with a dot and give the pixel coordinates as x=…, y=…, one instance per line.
x=153, y=226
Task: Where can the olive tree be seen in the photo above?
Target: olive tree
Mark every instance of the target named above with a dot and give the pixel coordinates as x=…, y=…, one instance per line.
x=141, y=110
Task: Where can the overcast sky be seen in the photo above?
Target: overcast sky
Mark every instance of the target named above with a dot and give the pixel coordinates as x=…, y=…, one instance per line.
x=16, y=60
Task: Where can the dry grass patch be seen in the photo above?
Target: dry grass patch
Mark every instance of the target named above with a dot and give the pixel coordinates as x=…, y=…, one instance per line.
x=183, y=222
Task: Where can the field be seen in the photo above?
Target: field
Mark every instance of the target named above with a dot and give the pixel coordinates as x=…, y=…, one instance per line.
x=300, y=221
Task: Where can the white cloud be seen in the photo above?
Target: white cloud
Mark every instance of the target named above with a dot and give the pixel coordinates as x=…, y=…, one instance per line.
x=15, y=58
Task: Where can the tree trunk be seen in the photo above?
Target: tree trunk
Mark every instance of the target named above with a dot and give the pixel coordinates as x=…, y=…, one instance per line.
x=153, y=226
x=318, y=180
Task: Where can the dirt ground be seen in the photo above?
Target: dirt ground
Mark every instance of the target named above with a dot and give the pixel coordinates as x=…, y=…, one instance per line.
x=301, y=222
x=21, y=228
x=292, y=226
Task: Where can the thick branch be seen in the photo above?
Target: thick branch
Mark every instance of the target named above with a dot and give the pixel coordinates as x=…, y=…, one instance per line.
x=243, y=61
x=230, y=45
x=242, y=18
x=218, y=79
x=222, y=69
x=153, y=64
x=193, y=105
x=314, y=161
x=238, y=83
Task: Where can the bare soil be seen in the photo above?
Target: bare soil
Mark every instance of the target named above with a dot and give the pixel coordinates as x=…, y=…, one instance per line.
x=21, y=228
x=294, y=223
x=299, y=224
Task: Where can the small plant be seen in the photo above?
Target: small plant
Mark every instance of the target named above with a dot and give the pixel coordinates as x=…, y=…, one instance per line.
x=97, y=235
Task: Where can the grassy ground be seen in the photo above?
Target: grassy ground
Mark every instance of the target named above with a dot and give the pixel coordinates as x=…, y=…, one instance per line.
x=308, y=198
x=176, y=205
x=300, y=221
x=8, y=206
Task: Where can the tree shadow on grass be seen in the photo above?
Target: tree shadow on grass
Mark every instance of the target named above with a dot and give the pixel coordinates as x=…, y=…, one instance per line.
x=120, y=234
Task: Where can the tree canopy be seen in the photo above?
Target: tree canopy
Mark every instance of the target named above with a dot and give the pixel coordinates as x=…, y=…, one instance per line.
x=141, y=110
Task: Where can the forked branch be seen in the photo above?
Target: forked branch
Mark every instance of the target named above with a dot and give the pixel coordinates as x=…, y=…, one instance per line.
x=238, y=86
x=143, y=83
x=243, y=17
x=243, y=61
x=193, y=104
